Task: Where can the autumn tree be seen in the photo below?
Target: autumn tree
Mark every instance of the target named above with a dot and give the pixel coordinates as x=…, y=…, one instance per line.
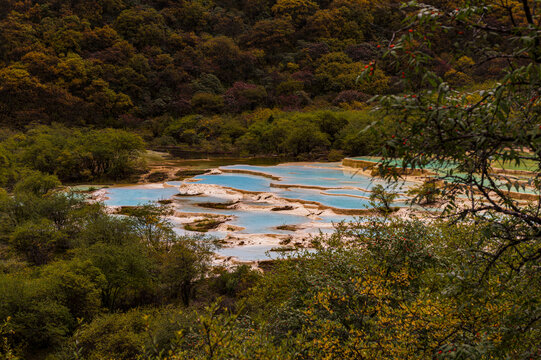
x=465, y=134
x=298, y=10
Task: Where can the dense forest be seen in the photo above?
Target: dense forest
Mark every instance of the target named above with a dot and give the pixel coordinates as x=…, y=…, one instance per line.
x=124, y=63
x=86, y=86
x=211, y=75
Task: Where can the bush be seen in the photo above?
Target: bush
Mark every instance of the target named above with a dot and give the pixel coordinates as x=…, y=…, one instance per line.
x=37, y=183
x=426, y=193
x=127, y=270
x=457, y=78
x=37, y=240
x=234, y=281
x=350, y=96
x=113, y=336
x=381, y=199
x=37, y=319
x=335, y=155
x=77, y=285
x=182, y=266
x=75, y=155
x=304, y=138
x=205, y=103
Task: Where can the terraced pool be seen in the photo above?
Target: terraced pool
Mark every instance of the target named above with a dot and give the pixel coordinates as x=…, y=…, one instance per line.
x=317, y=192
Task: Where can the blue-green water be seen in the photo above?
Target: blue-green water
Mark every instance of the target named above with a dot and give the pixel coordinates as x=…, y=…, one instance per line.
x=256, y=252
x=237, y=181
x=447, y=170
x=137, y=195
x=341, y=188
x=314, y=175
x=254, y=222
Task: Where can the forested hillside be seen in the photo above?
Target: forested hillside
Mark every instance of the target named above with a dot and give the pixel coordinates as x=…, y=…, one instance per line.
x=146, y=64
x=123, y=62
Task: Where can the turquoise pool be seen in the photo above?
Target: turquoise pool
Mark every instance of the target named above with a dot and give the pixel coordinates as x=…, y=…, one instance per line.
x=326, y=184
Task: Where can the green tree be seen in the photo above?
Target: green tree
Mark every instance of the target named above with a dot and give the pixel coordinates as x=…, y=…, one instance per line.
x=127, y=270
x=273, y=36
x=464, y=134
x=37, y=240
x=336, y=72
x=184, y=264
x=37, y=320
x=304, y=138
x=118, y=335
x=205, y=103
x=298, y=10
x=382, y=199
x=141, y=26
x=76, y=284
x=7, y=171
x=208, y=83
x=100, y=227
x=36, y=183
x=150, y=224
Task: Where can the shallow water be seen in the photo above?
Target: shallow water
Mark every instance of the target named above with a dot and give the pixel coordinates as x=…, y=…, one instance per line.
x=257, y=252
x=237, y=181
x=254, y=222
x=314, y=175
x=343, y=189
x=444, y=169
x=137, y=195
x=345, y=185
x=341, y=202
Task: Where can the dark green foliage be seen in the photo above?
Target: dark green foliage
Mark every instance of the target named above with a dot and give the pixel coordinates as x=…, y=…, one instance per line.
x=382, y=199
x=127, y=272
x=76, y=284
x=121, y=335
x=118, y=63
x=81, y=261
x=234, y=282
x=36, y=183
x=37, y=240
x=44, y=308
x=72, y=155
x=184, y=263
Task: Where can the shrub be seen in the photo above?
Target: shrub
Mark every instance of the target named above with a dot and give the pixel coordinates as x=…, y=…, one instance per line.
x=335, y=155
x=234, y=281
x=457, y=78
x=37, y=240
x=113, y=336
x=381, y=199
x=36, y=183
x=350, y=96
x=426, y=193
x=205, y=103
